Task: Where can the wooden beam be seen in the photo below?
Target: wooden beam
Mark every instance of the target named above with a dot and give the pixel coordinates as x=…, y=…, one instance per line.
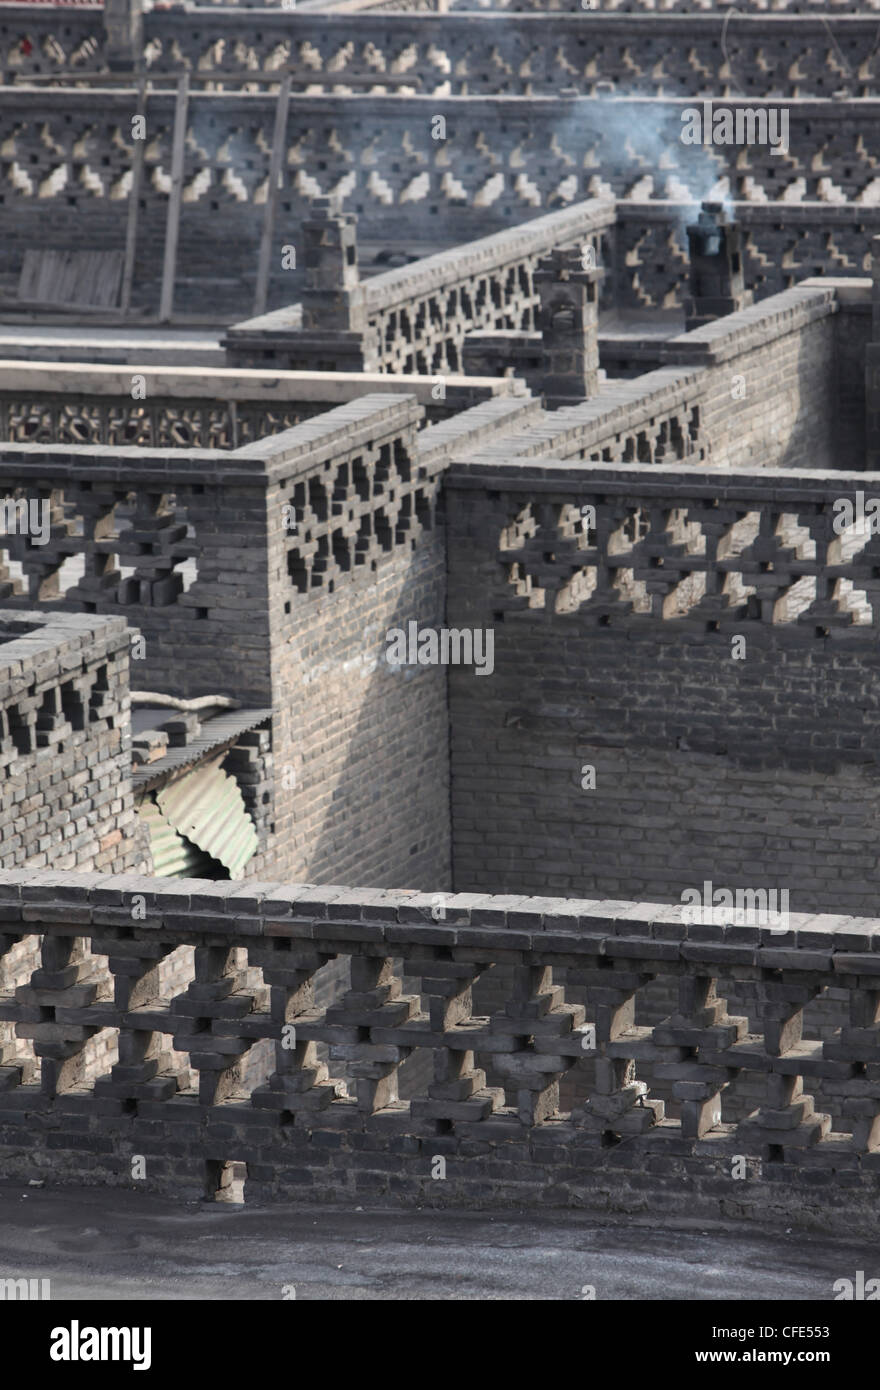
x=134, y=198
x=172, y=226
x=279, y=145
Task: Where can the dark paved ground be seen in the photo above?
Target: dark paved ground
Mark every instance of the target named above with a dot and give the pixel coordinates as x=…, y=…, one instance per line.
x=95, y=1243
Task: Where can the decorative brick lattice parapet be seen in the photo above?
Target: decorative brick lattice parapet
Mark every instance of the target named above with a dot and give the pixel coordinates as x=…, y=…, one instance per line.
x=786, y=55
x=416, y=318
x=578, y=969
x=36, y=40
x=181, y=541
x=353, y=487
x=725, y=397
x=197, y=408
x=515, y=54
x=419, y=315
x=625, y=544
x=503, y=159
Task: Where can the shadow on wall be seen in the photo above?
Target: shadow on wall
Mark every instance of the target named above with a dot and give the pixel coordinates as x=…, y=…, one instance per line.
x=793, y=423
x=371, y=743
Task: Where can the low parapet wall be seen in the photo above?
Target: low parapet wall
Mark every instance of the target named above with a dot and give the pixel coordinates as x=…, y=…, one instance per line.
x=417, y=316
x=754, y=389
x=273, y=572
x=69, y=159
x=476, y=54
x=194, y=407
x=783, y=54
x=144, y=1077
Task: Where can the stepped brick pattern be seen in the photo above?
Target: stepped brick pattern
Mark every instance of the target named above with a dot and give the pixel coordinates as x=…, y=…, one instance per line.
x=803, y=206
x=173, y=1086
x=495, y=352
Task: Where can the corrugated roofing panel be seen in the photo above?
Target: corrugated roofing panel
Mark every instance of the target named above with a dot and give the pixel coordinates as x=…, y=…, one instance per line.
x=207, y=807
x=173, y=855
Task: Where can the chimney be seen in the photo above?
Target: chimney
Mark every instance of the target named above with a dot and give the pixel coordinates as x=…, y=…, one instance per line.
x=716, y=284
x=123, y=34
x=333, y=298
x=568, y=284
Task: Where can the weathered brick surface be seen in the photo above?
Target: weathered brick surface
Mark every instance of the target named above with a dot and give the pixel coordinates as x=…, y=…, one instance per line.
x=272, y=574
x=783, y=54
x=610, y=655
x=65, y=750
x=293, y=557
x=754, y=389
x=196, y=408
x=416, y=318
x=139, y=1058
x=69, y=155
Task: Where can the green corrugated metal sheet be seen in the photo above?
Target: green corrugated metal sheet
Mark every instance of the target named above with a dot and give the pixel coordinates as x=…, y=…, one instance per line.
x=173, y=855
x=206, y=807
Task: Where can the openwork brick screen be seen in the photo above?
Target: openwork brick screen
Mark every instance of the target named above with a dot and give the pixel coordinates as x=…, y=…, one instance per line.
x=135, y=1031
x=500, y=152
x=655, y=418
x=353, y=499
x=122, y=529
x=45, y=703
x=133, y=530
x=180, y=542
x=92, y=417
x=660, y=54
x=780, y=246
x=502, y=160
x=418, y=316
x=193, y=408
x=40, y=39
x=491, y=171
x=622, y=543
x=676, y=53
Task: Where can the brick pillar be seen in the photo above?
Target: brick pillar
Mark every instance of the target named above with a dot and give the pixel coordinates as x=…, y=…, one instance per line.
x=716, y=286
x=788, y=1119
x=701, y=1028
x=124, y=30
x=872, y=367
x=374, y=1003
x=568, y=321
x=618, y=1105
x=537, y=1018
x=333, y=299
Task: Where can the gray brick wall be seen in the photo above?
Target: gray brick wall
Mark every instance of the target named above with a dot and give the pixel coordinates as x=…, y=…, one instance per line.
x=65, y=747
x=754, y=772
x=625, y=1002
